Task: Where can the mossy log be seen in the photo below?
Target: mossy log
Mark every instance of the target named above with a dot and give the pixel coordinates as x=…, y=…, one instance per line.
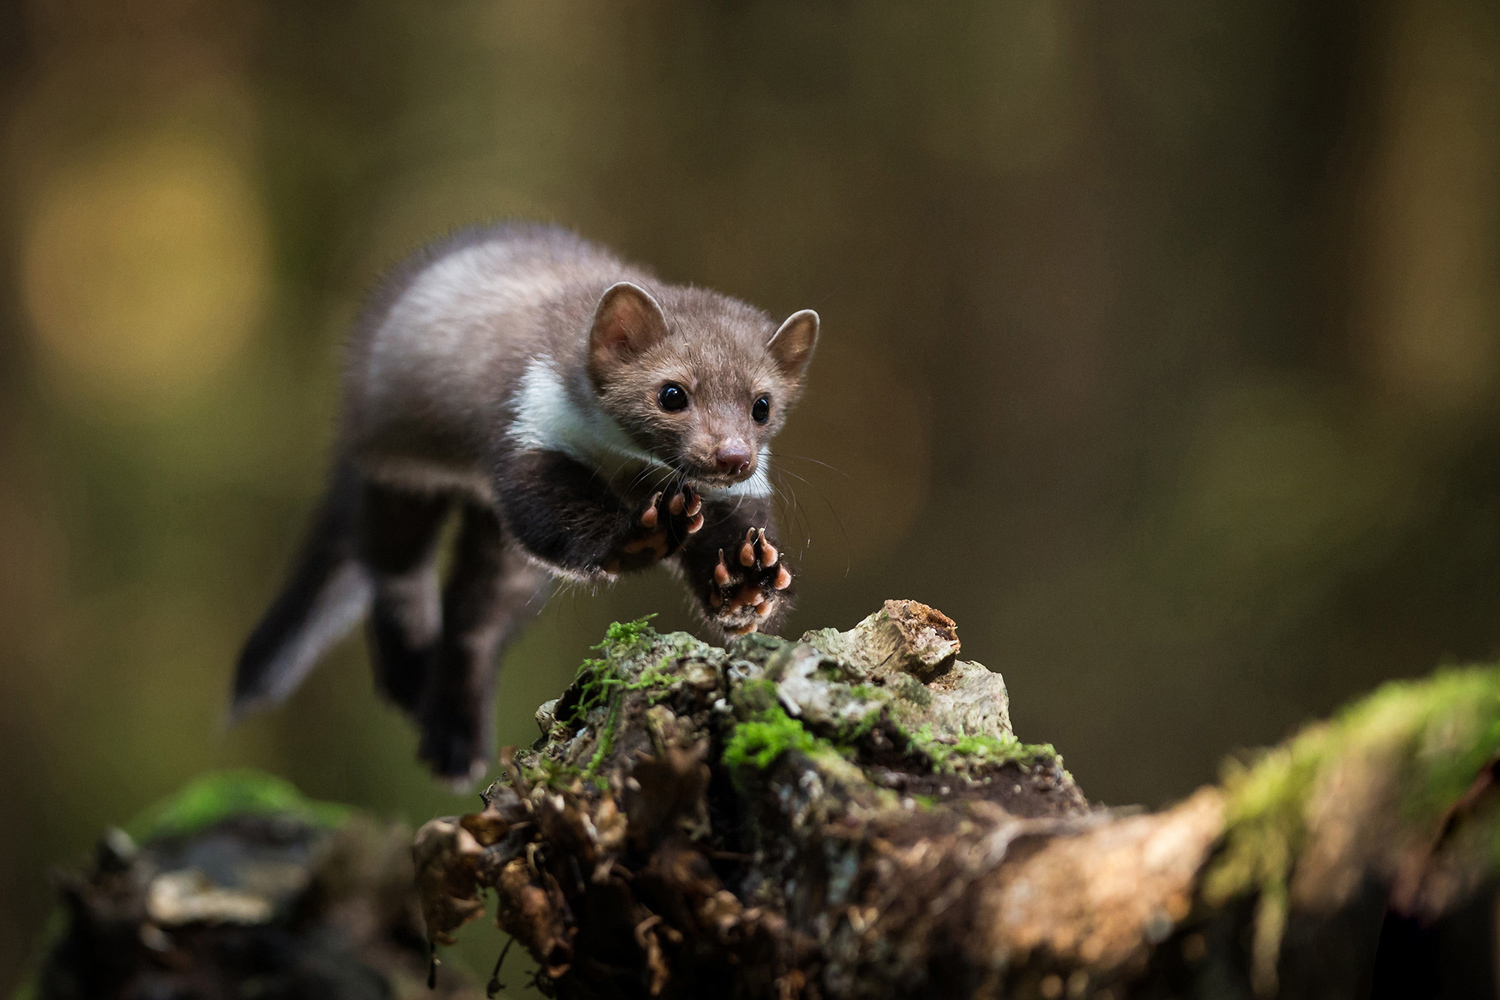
x=851, y=815
x=238, y=888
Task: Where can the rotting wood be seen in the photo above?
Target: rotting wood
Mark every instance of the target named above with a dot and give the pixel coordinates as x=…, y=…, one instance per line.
x=851, y=815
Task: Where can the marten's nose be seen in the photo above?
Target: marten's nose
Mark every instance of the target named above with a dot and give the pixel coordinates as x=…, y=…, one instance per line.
x=733, y=458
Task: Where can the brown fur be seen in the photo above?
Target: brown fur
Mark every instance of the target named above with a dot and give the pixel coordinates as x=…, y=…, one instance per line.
x=719, y=350
x=514, y=373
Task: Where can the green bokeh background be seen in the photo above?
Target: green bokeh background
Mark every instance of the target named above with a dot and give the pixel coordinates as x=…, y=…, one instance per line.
x=1161, y=347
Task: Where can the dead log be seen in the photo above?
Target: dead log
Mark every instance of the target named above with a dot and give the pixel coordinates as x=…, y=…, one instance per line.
x=851, y=815
x=238, y=887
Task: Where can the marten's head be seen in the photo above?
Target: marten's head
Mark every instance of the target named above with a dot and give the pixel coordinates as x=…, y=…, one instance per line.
x=700, y=380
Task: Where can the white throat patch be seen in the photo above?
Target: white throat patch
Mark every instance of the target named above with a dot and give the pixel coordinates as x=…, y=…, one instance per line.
x=548, y=419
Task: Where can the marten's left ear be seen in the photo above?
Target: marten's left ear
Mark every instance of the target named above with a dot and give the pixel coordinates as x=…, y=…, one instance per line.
x=792, y=343
x=627, y=321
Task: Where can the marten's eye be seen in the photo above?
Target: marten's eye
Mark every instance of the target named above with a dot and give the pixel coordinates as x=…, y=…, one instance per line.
x=672, y=397
x=761, y=411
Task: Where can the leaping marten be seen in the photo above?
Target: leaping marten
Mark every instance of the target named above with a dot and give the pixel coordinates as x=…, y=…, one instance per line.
x=586, y=419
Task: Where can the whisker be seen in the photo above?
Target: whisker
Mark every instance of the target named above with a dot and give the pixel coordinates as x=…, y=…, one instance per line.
x=839, y=521
x=648, y=471
x=815, y=461
x=804, y=479
x=798, y=514
x=821, y=495
x=794, y=515
x=638, y=478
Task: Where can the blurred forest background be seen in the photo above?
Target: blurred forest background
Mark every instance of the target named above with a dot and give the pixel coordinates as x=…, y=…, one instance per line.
x=1161, y=347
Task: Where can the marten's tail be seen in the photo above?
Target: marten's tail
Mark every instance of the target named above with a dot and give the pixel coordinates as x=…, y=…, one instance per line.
x=327, y=594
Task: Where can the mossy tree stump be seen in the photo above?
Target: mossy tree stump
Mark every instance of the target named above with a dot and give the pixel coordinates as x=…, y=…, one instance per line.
x=238, y=887
x=851, y=815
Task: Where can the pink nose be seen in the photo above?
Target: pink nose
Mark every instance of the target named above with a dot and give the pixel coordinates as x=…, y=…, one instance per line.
x=733, y=458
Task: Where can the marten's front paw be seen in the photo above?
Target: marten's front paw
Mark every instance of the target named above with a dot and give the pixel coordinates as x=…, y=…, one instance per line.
x=667, y=521
x=747, y=584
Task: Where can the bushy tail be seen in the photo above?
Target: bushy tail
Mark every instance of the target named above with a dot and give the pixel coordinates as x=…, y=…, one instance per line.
x=327, y=594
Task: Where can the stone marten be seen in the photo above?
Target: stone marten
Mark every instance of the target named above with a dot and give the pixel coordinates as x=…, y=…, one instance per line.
x=585, y=420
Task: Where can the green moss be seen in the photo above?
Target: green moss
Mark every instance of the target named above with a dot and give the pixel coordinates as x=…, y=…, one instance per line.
x=1431, y=738
x=763, y=739
x=597, y=678
x=606, y=740
x=1449, y=724
x=992, y=748
x=656, y=679
x=857, y=731
x=1437, y=733
x=756, y=696
x=214, y=797
x=978, y=749
x=628, y=633
x=549, y=773
x=601, y=683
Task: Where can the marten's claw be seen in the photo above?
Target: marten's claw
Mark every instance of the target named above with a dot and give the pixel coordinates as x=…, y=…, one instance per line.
x=768, y=555
x=649, y=518
x=660, y=530
x=745, y=590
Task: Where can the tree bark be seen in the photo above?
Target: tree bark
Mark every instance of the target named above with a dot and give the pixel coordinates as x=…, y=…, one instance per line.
x=850, y=815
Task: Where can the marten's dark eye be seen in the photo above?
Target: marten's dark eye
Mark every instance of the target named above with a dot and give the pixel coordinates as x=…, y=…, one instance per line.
x=761, y=411
x=672, y=397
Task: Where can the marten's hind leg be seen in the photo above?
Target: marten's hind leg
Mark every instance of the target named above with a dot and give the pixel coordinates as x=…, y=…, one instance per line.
x=493, y=590
x=399, y=535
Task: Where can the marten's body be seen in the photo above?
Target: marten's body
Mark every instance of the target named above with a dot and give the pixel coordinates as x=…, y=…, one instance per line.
x=586, y=420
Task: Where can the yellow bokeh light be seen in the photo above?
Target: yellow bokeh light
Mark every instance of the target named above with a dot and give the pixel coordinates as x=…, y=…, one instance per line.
x=144, y=270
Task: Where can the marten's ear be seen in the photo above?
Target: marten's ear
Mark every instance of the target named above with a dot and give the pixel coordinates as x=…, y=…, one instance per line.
x=792, y=343
x=626, y=322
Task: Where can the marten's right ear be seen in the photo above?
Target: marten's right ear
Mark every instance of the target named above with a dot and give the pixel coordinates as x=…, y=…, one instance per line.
x=793, y=342
x=627, y=322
